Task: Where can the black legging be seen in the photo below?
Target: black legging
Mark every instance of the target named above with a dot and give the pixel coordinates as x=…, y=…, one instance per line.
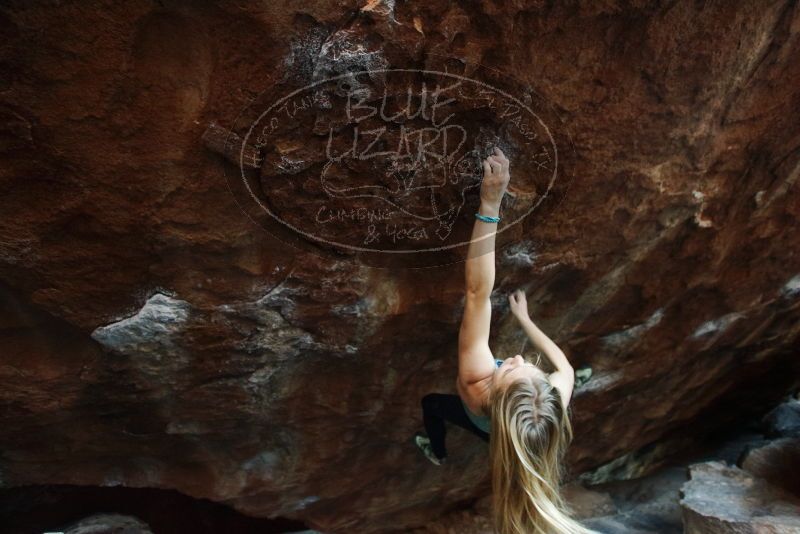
x=440, y=407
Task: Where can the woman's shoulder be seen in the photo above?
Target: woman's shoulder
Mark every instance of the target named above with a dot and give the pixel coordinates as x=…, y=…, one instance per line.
x=473, y=395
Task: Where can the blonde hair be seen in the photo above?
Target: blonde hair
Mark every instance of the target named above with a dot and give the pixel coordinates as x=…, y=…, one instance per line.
x=530, y=433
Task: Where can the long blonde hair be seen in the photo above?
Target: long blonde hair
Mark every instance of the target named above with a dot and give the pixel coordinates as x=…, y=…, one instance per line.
x=530, y=433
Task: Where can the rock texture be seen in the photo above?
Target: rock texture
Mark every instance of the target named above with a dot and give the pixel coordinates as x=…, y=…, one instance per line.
x=152, y=334
x=110, y=524
x=778, y=463
x=719, y=498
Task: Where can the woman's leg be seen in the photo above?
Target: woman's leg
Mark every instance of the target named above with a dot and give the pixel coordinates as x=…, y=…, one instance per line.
x=440, y=407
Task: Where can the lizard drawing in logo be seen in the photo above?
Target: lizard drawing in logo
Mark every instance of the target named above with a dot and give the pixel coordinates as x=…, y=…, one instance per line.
x=424, y=186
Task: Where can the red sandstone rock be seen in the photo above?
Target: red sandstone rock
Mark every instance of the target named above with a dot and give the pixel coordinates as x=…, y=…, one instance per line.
x=778, y=463
x=155, y=335
x=719, y=498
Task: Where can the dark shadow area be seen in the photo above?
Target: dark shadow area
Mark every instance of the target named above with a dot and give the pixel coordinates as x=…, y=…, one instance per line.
x=37, y=509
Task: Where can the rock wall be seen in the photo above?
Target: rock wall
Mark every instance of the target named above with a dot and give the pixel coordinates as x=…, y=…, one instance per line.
x=158, y=330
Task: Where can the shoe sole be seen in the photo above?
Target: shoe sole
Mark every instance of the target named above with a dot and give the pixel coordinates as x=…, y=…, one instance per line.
x=582, y=375
x=419, y=436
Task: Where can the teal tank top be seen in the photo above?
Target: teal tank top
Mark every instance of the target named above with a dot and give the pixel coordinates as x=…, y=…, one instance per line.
x=481, y=421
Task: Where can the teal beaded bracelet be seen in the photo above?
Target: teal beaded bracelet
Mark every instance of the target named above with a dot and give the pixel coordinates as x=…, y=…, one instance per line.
x=487, y=218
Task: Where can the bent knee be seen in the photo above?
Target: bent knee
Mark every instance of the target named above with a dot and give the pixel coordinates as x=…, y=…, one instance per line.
x=429, y=401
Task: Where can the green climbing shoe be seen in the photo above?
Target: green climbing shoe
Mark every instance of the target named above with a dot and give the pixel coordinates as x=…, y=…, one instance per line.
x=582, y=375
x=424, y=444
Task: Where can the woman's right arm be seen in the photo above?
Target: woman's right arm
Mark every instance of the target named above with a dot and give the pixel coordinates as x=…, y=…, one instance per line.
x=519, y=307
x=546, y=345
x=563, y=377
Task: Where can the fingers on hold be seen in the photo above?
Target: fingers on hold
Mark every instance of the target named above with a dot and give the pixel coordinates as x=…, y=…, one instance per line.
x=486, y=168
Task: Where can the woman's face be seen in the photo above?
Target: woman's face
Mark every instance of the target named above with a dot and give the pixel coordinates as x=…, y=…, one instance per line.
x=513, y=369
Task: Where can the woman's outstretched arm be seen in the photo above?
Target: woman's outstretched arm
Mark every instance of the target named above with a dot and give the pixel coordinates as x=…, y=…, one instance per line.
x=475, y=359
x=564, y=376
x=518, y=305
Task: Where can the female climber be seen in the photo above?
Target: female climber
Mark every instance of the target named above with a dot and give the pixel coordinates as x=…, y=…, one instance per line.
x=522, y=407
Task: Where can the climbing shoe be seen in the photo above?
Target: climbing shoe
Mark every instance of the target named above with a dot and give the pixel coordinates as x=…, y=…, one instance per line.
x=582, y=375
x=423, y=442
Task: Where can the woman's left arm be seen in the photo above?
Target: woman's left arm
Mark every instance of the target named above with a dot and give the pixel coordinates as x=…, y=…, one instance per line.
x=475, y=359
